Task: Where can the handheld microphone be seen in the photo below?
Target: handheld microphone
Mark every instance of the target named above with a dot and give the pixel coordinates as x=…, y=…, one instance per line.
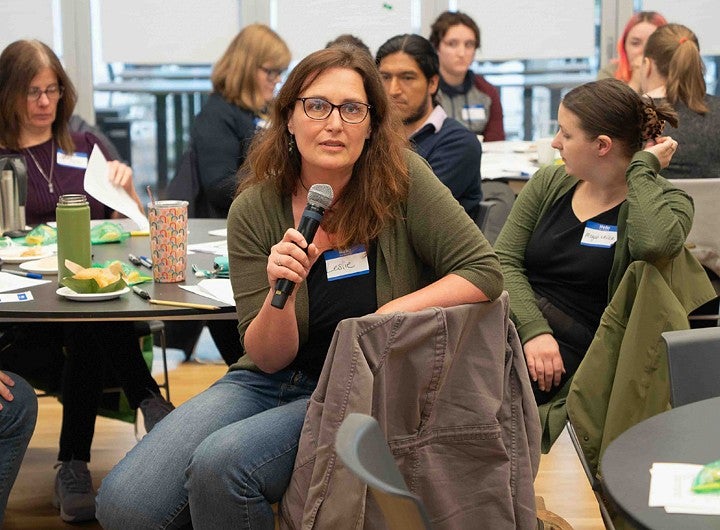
x=320, y=197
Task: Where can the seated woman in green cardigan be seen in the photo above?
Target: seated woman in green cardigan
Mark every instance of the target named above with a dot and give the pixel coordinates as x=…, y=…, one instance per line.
x=575, y=228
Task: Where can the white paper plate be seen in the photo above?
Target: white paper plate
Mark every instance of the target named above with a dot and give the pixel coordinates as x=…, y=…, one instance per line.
x=90, y=297
x=21, y=254
x=47, y=265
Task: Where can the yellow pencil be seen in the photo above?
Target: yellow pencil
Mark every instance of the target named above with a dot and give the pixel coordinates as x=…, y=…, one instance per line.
x=183, y=304
x=139, y=233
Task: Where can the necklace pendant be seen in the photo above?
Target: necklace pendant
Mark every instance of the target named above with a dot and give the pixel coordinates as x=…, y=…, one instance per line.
x=51, y=188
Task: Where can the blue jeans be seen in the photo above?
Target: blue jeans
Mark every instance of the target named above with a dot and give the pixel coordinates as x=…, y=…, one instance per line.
x=220, y=460
x=17, y=423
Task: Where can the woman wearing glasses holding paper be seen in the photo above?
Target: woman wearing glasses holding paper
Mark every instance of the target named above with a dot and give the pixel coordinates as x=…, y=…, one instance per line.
x=224, y=457
x=36, y=101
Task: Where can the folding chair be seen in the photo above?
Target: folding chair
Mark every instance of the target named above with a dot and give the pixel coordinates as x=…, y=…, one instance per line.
x=704, y=237
x=502, y=198
x=595, y=482
x=361, y=446
x=694, y=364
x=482, y=217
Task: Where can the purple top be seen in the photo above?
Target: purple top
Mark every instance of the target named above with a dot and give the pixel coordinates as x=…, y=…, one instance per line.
x=66, y=179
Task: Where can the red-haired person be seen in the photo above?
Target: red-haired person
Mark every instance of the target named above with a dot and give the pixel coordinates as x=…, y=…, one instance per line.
x=630, y=48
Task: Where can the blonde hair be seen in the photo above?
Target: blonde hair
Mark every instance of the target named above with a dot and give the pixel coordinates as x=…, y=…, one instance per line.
x=234, y=76
x=676, y=53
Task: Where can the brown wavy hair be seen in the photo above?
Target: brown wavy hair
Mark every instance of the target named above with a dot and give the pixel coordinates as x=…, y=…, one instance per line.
x=611, y=107
x=676, y=52
x=380, y=179
x=234, y=75
x=20, y=62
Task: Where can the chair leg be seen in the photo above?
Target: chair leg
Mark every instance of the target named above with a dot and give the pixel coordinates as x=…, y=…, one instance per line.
x=157, y=326
x=595, y=483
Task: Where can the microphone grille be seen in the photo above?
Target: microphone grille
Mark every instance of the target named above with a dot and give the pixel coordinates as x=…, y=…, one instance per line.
x=320, y=195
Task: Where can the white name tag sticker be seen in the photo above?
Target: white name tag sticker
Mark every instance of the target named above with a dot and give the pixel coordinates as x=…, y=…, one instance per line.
x=77, y=160
x=346, y=263
x=599, y=235
x=475, y=113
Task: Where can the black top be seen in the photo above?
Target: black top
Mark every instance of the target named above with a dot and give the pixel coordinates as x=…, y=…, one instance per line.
x=572, y=275
x=221, y=135
x=697, y=154
x=331, y=302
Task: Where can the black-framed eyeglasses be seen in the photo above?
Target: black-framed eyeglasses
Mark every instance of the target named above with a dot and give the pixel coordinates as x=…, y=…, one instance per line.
x=53, y=92
x=273, y=73
x=320, y=109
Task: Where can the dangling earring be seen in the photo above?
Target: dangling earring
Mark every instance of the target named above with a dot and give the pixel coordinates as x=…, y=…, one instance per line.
x=291, y=144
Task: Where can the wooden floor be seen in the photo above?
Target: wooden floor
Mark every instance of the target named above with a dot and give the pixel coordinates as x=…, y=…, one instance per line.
x=560, y=482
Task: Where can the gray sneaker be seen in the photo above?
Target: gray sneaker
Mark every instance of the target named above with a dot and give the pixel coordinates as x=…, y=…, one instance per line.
x=154, y=409
x=74, y=492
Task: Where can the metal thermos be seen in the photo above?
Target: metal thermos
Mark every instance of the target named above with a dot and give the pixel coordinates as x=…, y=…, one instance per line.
x=73, y=233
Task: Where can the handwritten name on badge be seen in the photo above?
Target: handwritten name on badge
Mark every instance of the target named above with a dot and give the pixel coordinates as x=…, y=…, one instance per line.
x=77, y=160
x=599, y=235
x=346, y=263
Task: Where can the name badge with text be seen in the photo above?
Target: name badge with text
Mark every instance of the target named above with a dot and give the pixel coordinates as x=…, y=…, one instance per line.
x=599, y=235
x=346, y=263
x=77, y=160
x=476, y=113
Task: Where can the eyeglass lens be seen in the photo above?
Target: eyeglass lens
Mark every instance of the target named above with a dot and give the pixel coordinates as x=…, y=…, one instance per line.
x=52, y=92
x=320, y=109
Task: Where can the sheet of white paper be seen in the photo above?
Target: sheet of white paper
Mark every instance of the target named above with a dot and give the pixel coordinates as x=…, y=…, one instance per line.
x=10, y=282
x=97, y=184
x=219, y=248
x=220, y=288
x=214, y=288
x=220, y=232
x=196, y=289
x=670, y=486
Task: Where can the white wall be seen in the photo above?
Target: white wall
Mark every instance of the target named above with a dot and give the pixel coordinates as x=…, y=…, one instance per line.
x=167, y=31
x=701, y=16
x=28, y=19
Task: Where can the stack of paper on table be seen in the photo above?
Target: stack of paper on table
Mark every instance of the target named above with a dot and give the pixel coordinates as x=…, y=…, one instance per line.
x=671, y=487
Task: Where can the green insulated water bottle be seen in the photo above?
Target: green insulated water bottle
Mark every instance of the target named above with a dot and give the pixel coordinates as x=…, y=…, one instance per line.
x=73, y=233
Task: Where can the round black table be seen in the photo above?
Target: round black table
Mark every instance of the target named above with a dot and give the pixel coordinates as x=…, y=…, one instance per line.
x=689, y=435
x=48, y=306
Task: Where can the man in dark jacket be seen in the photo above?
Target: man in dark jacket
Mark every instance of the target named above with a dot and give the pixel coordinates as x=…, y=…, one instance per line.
x=410, y=71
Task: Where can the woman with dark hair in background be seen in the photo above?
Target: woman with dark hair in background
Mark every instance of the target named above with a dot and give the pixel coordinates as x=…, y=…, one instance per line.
x=673, y=71
x=630, y=48
x=37, y=100
x=575, y=228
